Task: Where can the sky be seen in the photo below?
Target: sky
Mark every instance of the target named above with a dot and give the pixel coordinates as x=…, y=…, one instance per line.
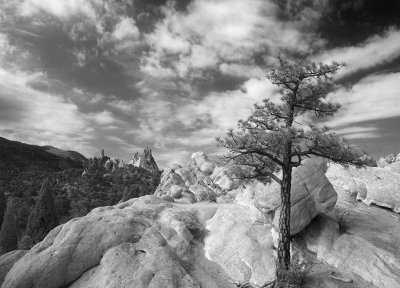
x=122, y=75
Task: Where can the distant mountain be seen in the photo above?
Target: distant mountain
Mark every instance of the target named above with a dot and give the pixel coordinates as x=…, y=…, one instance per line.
x=21, y=155
x=73, y=155
x=23, y=167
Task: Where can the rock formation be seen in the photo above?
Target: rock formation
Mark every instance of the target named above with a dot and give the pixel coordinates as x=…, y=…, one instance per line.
x=389, y=159
x=371, y=185
x=145, y=160
x=8, y=260
x=369, y=248
x=204, y=180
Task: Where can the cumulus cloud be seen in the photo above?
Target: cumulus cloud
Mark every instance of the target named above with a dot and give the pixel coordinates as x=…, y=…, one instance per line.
x=217, y=32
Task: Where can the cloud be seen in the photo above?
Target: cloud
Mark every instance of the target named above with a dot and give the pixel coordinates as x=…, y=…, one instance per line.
x=377, y=50
x=216, y=32
x=374, y=97
x=104, y=118
x=59, y=8
x=358, y=132
x=38, y=117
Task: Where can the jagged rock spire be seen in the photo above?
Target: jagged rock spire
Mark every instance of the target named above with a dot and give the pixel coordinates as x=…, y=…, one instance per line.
x=145, y=160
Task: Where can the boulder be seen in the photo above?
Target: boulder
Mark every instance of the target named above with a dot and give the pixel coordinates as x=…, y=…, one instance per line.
x=311, y=194
x=8, y=260
x=176, y=191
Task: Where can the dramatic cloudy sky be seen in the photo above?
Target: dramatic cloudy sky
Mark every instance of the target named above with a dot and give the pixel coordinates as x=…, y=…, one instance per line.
x=173, y=75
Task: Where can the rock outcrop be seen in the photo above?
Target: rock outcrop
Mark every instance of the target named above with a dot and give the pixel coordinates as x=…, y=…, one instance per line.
x=145, y=161
x=204, y=180
x=147, y=242
x=371, y=185
x=8, y=260
x=368, y=249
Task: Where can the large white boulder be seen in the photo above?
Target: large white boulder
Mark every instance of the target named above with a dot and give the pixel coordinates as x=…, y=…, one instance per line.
x=311, y=194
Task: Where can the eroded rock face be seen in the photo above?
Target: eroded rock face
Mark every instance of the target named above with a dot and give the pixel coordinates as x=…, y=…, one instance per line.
x=371, y=185
x=145, y=161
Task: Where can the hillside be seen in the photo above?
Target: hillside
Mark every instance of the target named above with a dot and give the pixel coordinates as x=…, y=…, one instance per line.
x=23, y=166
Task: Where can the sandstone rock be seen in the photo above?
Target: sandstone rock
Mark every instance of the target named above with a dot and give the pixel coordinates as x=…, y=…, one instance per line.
x=176, y=191
x=368, y=249
x=202, y=192
x=147, y=263
x=382, y=162
x=146, y=242
x=71, y=249
x=321, y=234
x=145, y=161
x=222, y=177
x=311, y=194
x=199, y=158
x=187, y=176
x=8, y=260
x=371, y=185
x=207, y=168
x=394, y=167
x=243, y=249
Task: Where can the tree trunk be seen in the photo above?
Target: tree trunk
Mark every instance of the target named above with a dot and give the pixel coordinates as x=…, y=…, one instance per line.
x=284, y=225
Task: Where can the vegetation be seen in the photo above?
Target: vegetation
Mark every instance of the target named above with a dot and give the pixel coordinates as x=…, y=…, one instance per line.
x=75, y=186
x=44, y=216
x=274, y=139
x=2, y=205
x=9, y=231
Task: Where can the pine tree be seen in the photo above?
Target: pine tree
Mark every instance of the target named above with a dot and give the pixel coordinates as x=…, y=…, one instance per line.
x=2, y=205
x=44, y=216
x=271, y=139
x=9, y=230
x=93, y=191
